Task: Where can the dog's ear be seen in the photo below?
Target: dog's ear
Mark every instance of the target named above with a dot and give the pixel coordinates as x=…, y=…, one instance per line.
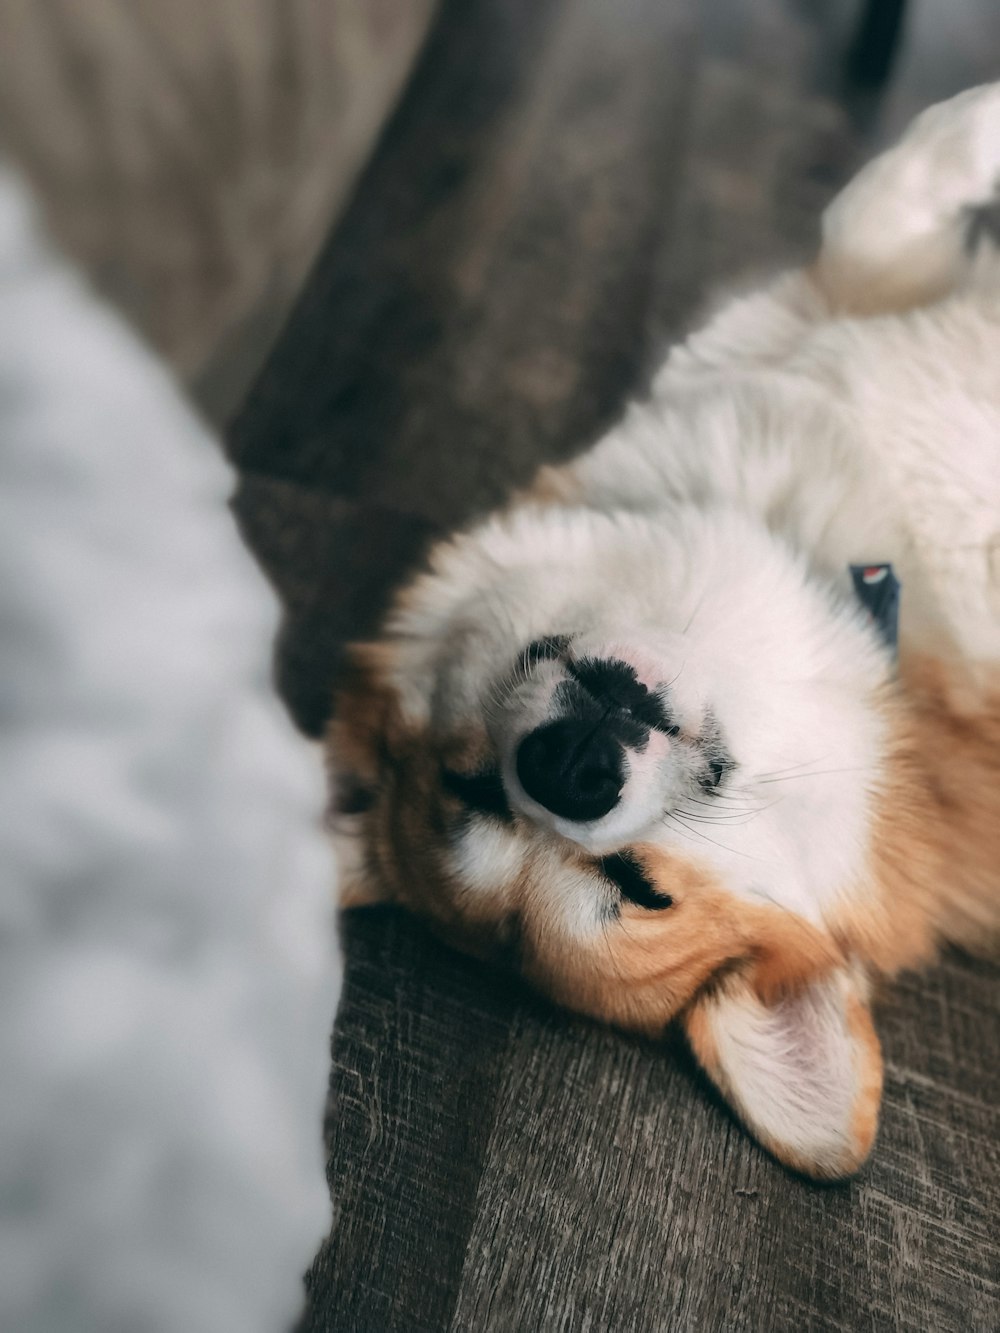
x=803, y=1070
x=357, y=745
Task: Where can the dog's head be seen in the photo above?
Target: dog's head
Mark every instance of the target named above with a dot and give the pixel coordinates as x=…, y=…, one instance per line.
x=636, y=756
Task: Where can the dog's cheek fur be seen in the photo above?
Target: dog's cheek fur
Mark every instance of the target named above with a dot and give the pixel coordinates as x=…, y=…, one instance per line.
x=934, y=863
x=396, y=848
x=384, y=767
x=646, y=966
x=357, y=744
x=935, y=849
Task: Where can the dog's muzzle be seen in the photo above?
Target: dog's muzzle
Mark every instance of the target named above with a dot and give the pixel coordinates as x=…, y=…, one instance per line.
x=575, y=767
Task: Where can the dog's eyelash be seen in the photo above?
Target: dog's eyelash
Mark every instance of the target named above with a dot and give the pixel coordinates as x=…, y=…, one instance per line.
x=544, y=650
x=483, y=793
x=627, y=876
x=718, y=769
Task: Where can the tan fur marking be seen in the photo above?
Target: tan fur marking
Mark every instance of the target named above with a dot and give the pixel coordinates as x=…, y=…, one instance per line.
x=551, y=485
x=936, y=834
x=650, y=964
x=363, y=715
x=853, y=288
x=864, y=1122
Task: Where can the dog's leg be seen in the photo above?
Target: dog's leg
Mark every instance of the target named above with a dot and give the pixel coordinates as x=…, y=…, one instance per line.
x=898, y=235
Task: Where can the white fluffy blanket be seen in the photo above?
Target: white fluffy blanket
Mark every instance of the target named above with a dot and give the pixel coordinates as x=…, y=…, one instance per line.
x=167, y=957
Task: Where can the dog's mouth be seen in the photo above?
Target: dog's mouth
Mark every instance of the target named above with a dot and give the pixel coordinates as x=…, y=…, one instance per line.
x=593, y=746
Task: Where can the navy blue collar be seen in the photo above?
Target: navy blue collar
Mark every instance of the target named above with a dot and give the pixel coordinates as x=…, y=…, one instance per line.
x=877, y=590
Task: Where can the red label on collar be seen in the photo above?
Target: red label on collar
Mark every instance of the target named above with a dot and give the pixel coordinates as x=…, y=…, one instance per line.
x=878, y=589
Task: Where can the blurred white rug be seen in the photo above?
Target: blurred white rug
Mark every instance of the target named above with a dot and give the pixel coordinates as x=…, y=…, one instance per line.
x=168, y=968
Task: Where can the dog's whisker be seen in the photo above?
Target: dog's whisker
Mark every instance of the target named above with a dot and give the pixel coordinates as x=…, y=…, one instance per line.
x=792, y=768
x=800, y=777
x=720, y=799
x=735, y=820
x=705, y=838
x=730, y=821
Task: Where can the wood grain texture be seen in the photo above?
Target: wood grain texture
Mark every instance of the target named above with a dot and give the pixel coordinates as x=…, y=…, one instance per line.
x=417, y=1058
x=562, y=189
x=622, y=1196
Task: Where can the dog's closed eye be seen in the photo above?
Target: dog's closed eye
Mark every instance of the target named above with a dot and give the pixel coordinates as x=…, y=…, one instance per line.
x=482, y=793
x=633, y=883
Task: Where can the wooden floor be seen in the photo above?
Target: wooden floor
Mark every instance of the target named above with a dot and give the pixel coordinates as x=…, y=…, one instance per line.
x=563, y=187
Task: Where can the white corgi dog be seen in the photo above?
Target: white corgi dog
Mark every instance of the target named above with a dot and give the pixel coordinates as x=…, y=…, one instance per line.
x=653, y=732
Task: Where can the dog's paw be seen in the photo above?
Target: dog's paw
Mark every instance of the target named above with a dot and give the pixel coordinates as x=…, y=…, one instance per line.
x=899, y=234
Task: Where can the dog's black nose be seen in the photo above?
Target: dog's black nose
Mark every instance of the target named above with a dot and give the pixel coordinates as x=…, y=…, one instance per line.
x=573, y=767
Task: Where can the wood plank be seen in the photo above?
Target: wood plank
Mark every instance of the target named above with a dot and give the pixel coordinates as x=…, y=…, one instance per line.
x=418, y=1052
x=617, y=1194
